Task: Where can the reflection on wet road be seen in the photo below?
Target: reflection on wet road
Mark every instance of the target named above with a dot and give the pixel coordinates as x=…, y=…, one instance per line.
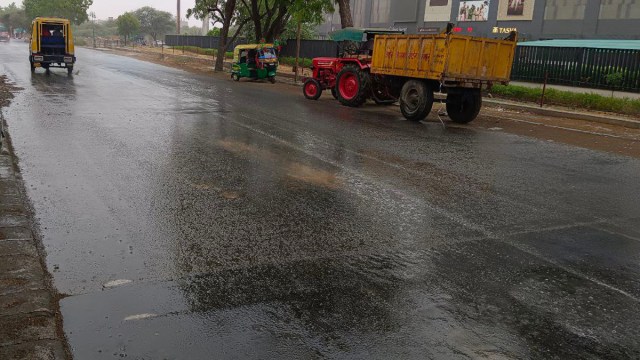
x=192, y=217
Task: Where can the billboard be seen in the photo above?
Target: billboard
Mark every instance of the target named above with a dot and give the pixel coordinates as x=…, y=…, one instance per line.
x=438, y=10
x=516, y=9
x=477, y=10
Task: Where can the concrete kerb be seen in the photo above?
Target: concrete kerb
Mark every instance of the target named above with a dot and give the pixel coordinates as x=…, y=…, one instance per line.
x=30, y=320
x=602, y=119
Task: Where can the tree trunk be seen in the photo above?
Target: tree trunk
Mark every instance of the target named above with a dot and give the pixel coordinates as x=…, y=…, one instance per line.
x=345, y=13
x=229, y=8
x=298, y=49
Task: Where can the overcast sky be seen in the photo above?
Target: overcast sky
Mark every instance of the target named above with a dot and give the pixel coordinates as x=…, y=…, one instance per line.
x=114, y=8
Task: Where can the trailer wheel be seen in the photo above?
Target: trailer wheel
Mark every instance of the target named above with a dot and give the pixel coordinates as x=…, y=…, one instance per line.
x=354, y=86
x=312, y=89
x=416, y=100
x=464, y=107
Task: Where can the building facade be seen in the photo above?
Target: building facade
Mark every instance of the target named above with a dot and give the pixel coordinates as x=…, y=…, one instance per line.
x=533, y=19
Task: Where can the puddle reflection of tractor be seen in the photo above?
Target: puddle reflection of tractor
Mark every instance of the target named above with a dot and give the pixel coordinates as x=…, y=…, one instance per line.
x=388, y=66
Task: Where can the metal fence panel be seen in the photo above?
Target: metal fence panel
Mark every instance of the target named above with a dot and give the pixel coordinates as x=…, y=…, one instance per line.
x=310, y=48
x=205, y=42
x=613, y=69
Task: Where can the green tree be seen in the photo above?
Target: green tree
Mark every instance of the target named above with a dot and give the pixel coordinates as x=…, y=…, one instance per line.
x=222, y=11
x=214, y=32
x=74, y=10
x=128, y=24
x=154, y=22
x=307, y=12
x=269, y=19
x=13, y=17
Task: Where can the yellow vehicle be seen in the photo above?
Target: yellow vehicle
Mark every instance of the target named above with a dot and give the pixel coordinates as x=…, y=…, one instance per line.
x=410, y=68
x=51, y=44
x=459, y=65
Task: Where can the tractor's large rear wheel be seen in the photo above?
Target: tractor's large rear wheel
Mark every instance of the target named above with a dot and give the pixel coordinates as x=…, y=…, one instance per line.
x=465, y=106
x=416, y=100
x=354, y=86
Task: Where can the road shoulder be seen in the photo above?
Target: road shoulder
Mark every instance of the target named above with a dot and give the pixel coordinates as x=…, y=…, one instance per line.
x=30, y=320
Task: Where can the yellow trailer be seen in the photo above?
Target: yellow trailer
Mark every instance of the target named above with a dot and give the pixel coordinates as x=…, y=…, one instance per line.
x=452, y=60
x=410, y=68
x=458, y=65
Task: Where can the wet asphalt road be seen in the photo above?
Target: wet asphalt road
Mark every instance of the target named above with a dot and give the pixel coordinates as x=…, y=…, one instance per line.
x=191, y=217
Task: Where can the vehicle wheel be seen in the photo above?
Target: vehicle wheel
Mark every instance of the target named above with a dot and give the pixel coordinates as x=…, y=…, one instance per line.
x=465, y=107
x=235, y=77
x=354, y=86
x=70, y=70
x=312, y=89
x=272, y=79
x=416, y=100
x=334, y=92
x=33, y=67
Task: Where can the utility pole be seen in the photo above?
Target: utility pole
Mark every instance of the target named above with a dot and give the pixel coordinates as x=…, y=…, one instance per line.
x=178, y=20
x=93, y=17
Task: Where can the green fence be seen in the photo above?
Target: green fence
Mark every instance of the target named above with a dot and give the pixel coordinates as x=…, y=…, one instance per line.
x=613, y=69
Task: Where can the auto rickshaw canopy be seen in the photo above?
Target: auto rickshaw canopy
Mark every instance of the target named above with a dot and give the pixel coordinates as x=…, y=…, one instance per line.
x=358, y=34
x=237, y=49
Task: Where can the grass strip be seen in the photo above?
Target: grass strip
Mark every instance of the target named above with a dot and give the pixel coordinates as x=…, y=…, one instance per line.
x=570, y=99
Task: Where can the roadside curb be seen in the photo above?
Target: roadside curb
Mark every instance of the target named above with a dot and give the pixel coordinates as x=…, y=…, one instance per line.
x=603, y=119
x=30, y=321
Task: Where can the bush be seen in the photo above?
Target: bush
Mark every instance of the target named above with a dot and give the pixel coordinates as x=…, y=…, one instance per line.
x=203, y=51
x=291, y=61
x=589, y=101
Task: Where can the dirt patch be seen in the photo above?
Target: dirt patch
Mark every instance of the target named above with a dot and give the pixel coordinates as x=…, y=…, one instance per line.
x=6, y=91
x=313, y=176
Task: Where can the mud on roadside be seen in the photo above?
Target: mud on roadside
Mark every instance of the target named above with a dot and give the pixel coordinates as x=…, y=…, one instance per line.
x=30, y=319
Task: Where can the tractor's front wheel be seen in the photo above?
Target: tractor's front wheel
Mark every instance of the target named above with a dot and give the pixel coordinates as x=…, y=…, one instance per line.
x=354, y=86
x=312, y=89
x=416, y=100
x=464, y=107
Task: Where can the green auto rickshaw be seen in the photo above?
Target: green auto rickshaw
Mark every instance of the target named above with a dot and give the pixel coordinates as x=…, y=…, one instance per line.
x=255, y=61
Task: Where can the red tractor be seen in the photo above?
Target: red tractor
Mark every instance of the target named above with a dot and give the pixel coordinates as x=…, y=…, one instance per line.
x=356, y=46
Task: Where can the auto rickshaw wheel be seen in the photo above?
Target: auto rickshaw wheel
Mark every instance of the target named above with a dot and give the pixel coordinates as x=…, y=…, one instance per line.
x=465, y=107
x=33, y=66
x=235, y=77
x=272, y=79
x=312, y=89
x=70, y=70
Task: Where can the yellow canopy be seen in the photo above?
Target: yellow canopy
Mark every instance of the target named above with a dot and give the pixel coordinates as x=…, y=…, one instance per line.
x=237, y=49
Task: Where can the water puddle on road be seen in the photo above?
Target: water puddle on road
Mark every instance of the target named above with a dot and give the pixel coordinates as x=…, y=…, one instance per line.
x=293, y=170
